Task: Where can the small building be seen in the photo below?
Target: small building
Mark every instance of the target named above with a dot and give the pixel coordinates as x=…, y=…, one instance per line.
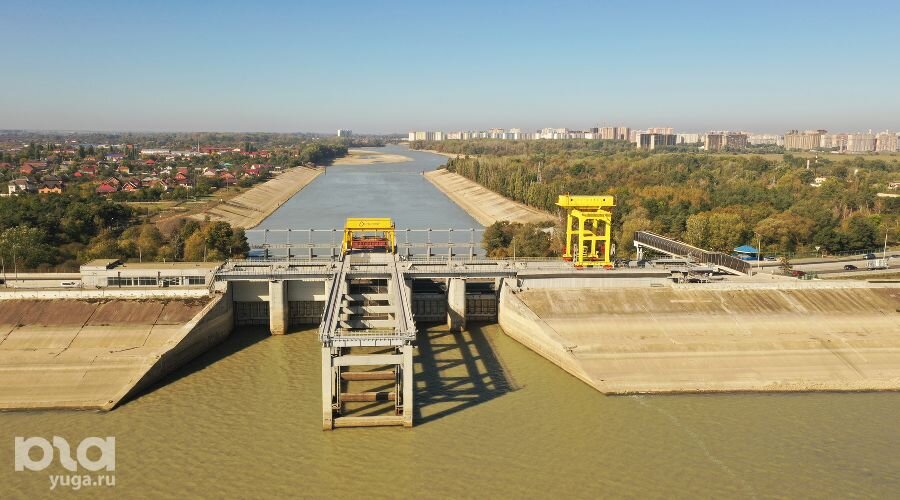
x=746, y=252
x=22, y=185
x=106, y=188
x=51, y=185
x=113, y=273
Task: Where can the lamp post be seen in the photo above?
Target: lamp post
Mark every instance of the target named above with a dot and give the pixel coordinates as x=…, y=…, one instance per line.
x=758, y=253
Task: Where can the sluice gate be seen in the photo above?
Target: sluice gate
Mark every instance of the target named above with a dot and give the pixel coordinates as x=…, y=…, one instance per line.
x=367, y=335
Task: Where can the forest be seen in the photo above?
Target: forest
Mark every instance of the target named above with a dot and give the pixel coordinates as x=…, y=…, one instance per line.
x=57, y=233
x=714, y=201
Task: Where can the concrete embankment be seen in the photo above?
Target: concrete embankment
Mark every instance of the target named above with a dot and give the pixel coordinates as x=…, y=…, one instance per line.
x=484, y=205
x=714, y=338
x=92, y=354
x=250, y=208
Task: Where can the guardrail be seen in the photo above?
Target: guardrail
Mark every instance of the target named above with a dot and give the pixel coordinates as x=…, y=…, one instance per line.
x=681, y=249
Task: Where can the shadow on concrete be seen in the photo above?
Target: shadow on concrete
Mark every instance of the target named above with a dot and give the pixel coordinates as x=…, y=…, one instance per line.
x=241, y=338
x=456, y=371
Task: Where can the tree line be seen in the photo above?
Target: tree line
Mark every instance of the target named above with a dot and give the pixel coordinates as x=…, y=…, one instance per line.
x=712, y=201
x=63, y=231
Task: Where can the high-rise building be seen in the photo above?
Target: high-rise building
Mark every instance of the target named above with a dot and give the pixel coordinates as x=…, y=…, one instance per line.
x=615, y=133
x=652, y=141
x=886, y=141
x=661, y=130
x=344, y=133
x=806, y=140
x=861, y=142
x=688, y=138
x=718, y=141
x=765, y=139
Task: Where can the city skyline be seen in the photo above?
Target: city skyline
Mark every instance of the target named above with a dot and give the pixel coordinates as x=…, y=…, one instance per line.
x=317, y=68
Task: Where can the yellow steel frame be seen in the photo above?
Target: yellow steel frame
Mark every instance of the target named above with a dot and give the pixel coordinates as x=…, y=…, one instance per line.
x=382, y=225
x=584, y=217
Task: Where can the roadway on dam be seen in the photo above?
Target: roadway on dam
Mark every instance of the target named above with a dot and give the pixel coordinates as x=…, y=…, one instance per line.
x=493, y=419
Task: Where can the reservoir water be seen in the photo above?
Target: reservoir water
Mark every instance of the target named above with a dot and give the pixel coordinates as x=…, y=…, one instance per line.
x=493, y=418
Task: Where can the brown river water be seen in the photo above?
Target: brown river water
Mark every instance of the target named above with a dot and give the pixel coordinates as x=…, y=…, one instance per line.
x=493, y=420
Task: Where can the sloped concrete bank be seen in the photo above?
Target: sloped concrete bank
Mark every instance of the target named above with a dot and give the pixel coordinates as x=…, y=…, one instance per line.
x=94, y=353
x=249, y=209
x=484, y=205
x=719, y=338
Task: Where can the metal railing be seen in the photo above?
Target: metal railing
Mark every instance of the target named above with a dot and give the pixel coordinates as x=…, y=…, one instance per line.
x=681, y=249
x=327, y=242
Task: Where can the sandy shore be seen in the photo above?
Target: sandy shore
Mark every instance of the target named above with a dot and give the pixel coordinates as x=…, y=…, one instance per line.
x=365, y=157
x=696, y=338
x=486, y=206
x=448, y=155
x=250, y=208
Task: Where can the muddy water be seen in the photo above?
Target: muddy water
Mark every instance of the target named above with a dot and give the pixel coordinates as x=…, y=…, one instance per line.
x=493, y=418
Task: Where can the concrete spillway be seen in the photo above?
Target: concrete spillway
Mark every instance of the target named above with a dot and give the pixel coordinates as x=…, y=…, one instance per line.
x=92, y=354
x=709, y=338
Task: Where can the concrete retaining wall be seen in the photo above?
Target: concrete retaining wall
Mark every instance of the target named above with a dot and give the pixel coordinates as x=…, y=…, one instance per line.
x=136, y=293
x=211, y=326
x=523, y=325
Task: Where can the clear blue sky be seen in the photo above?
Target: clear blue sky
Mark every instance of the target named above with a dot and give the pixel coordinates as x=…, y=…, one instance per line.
x=397, y=66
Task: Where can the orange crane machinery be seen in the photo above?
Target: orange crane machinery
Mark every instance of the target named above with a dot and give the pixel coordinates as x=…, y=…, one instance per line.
x=588, y=227
x=368, y=234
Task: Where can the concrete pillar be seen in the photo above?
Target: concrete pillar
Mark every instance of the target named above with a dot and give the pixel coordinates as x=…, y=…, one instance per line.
x=456, y=304
x=408, y=385
x=278, y=307
x=329, y=379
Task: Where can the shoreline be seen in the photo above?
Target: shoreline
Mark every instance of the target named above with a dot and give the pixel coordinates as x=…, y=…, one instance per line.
x=252, y=207
x=365, y=157
x=484, y=205
x=448, y=155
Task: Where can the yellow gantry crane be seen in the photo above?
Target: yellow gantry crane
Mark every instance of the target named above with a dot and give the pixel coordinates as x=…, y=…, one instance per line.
x=588, y=226
x=369, y=234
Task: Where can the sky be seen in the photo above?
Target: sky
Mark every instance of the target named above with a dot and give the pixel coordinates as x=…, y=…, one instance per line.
x=382, y=67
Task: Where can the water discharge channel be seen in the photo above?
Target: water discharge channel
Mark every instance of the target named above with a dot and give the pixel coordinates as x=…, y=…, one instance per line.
x=493, y=419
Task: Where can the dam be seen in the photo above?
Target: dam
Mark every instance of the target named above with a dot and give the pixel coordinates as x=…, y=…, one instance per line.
x=477, y=392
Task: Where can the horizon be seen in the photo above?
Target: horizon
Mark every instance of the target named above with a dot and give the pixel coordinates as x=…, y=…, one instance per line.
x=390, y=69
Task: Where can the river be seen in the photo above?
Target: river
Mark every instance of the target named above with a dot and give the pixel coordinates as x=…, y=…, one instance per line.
x=493, y=419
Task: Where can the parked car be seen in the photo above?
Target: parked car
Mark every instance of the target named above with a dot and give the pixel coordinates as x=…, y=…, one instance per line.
x=869, y=256
x=850, y=267
x=69, y=284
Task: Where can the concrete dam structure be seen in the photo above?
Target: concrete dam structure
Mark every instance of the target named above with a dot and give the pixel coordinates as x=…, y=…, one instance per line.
x=723, y=337
x=93, y=353
x=619, y=330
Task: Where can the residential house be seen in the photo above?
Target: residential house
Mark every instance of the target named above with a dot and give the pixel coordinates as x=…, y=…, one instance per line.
x=22, y=185
x=228, y=178
x=106, y=188
x=51, y=185
x=131, y=186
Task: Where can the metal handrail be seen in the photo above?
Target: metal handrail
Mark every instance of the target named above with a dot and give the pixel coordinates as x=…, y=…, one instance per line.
x=675, y=247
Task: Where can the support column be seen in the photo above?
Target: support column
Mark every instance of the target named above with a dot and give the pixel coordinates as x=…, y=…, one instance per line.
x=456, y=304
x=408, y=387
x=278, y=307
x=328, y=389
